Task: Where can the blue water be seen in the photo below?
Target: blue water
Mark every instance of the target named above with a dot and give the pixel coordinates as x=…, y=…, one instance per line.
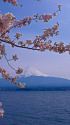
x=35, y=107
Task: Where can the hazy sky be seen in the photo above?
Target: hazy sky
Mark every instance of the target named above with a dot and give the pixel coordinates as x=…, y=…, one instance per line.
x=51, y=63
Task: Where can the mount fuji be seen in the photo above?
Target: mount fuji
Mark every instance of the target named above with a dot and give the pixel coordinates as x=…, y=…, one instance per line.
x=31, y=71
x=36, y=79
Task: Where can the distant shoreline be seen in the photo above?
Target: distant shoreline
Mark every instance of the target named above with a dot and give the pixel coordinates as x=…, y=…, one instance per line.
x=37, y=89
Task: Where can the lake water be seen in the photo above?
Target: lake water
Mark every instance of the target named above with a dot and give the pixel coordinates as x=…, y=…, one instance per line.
x=35, y=107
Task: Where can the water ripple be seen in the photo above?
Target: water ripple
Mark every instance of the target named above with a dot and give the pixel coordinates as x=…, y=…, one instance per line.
x=35, y=108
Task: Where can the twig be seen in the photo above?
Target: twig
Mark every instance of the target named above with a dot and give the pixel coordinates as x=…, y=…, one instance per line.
x=8, y=62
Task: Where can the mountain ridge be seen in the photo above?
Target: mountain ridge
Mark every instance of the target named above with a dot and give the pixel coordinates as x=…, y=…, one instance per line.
x=36, y=79
x=37, y=82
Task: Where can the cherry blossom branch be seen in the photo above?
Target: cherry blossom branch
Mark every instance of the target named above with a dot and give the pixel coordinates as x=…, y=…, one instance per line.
x=18, y=45
x=44, y=17
x=14, y=2
x=9, y=63
x=12, y=80
x=47, y=46
x=19, y=71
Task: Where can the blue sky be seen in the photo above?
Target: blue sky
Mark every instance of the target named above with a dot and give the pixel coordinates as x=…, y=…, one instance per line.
x=51, y=63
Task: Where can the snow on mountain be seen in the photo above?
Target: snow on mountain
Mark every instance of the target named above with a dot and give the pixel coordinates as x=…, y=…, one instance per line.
x=29, y=71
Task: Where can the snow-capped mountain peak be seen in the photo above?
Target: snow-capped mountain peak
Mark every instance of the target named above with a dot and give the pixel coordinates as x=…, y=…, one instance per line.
x=31, y=71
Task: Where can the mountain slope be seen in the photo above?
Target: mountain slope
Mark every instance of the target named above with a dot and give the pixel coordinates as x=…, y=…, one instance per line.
x=37, y=82
x=40, y=81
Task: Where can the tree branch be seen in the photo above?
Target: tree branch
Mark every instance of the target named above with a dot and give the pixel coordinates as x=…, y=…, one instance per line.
x=19, y=46
x=8, y=62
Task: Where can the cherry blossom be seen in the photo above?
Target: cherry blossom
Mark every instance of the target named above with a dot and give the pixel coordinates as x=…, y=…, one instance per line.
x=21, y=43
x=15, y=57
x=6, y=21
x=19, y=71
x=18, y=35
x=14, y=2
x=1, y=110
x=0, y=103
